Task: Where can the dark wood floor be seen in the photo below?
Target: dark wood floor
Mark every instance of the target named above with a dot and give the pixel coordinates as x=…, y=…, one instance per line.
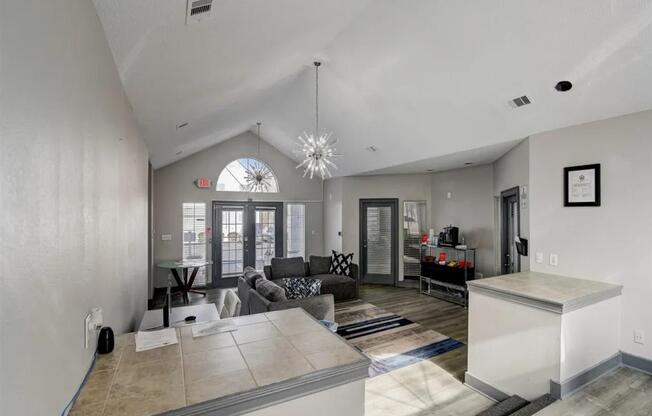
x=441, y=316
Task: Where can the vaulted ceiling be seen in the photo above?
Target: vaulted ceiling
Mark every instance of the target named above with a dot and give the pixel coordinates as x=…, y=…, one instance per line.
x=426, y=82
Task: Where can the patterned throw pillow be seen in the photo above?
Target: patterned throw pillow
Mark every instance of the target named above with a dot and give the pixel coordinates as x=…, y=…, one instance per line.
x=341, y=263
x=300, y=288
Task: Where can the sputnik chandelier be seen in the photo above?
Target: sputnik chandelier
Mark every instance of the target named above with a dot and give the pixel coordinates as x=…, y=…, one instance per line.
x=258, y=177
x=318, y=148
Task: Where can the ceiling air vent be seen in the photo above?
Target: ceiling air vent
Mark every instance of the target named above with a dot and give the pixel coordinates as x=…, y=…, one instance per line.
x=198, y=10
x=519, y=101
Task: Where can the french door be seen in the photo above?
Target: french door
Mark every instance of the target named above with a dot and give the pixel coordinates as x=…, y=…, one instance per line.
x=244, y=234
x=379, y=241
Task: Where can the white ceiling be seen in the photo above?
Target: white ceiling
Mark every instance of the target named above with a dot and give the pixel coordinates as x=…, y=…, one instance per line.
x=419, y=80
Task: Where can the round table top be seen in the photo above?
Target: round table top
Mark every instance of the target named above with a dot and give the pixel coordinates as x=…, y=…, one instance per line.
x=183, y=264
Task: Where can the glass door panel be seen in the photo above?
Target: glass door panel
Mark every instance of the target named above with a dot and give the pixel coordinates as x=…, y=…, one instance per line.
x=232, y=242
x=265, y=236
x=379, y=240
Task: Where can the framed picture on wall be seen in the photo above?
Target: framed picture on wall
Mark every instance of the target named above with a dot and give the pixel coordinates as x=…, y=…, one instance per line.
x=582, y=186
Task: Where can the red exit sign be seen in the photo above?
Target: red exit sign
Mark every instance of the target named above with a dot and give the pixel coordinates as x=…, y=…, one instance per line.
x=203, y=183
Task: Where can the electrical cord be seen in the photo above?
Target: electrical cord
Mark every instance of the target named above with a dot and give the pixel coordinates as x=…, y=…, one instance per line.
x=88, y=373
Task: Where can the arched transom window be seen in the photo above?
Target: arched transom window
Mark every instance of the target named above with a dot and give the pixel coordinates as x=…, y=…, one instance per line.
x=247, y=175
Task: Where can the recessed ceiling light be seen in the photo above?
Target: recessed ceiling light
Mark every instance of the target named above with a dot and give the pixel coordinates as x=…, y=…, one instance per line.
x=179, y=152
x=182, y=125
x=563, y=86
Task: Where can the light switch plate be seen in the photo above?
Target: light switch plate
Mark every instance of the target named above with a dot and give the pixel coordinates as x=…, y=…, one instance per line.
x=639, y=336
x=554, y=260
x=539, y=257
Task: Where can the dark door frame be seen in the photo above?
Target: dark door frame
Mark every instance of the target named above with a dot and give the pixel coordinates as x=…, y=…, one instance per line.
x=504, y=244
x=249, y=230
x=393, y=202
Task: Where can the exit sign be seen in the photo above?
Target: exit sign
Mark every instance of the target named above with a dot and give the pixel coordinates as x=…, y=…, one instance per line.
x=203, y=183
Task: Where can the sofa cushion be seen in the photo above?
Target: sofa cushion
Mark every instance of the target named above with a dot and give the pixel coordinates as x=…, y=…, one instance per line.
x=341, y=287
x=251, y=275
x=300, y=288
x=270, y=290
x=288, y=267
x=320, y=264
x=341, y=263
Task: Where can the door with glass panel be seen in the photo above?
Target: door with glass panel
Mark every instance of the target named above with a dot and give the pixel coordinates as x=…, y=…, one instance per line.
x=244, y=234
x=379, y=241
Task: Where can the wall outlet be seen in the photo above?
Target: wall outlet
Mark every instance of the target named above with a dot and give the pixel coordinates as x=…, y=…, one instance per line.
x=449, y=195
x=639, y=336
x=539, y=257
x=554, y=260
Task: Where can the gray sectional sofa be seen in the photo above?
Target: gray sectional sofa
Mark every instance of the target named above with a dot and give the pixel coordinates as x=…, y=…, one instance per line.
x=259, y=297
x=341, y=287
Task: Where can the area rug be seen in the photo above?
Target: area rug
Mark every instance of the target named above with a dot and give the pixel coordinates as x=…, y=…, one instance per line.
x=389, y=340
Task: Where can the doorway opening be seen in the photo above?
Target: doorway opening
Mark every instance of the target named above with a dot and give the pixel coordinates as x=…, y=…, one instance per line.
x=510, y=230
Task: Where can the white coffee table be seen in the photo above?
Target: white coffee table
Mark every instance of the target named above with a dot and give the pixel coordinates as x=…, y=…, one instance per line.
x=153, y=319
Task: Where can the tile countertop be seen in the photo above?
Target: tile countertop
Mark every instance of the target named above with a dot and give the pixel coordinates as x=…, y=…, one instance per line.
x=269, y=353
x=558, y=294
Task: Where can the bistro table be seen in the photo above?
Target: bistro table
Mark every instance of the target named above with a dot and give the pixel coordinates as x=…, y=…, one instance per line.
x=186, y=284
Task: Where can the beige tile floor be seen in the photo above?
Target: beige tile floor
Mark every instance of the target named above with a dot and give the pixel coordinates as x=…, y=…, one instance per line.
x=421, y=389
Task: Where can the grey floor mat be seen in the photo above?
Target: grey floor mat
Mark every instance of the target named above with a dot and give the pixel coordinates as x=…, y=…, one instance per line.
x=506, y=407
x=536, y=405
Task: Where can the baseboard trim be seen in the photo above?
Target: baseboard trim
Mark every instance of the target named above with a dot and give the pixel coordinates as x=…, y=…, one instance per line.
x=636, y=362
x=484, y=388
x=564, y=389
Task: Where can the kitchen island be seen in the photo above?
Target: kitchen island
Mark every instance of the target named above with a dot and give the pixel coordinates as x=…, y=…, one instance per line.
x=282, y=362
x=533, y=333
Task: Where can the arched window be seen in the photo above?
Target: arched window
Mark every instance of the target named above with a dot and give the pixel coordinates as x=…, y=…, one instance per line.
x=247, y=175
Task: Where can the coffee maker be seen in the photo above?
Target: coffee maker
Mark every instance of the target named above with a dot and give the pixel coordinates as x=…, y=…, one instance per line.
x=449, y=236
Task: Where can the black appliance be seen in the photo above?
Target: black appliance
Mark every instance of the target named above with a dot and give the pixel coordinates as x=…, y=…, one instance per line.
x=105, y=341
x=449, y=237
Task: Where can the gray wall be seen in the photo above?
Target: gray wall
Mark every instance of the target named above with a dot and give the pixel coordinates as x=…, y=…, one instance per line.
x=609, y=243
x=470, y=207
x=332, y=215
x=73, y=190
x=354, y=188
x=512, y=170
x=174, y=185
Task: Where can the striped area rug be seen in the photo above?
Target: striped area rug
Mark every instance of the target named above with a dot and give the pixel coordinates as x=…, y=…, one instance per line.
x=389, y=340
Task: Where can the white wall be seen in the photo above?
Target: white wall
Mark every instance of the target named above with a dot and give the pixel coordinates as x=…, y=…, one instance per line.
x=354, y=188
x=470, y=208
x=174, y=185
x=609, y=243
x=73, y=191
x=512, y=170
x=332, y=215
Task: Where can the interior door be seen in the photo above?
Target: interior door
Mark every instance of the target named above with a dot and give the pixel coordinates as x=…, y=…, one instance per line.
x=379, y=241
x=511, y=228
x=244, y=234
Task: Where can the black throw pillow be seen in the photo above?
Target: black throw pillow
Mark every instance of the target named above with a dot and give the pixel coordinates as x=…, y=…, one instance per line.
x=341, y=263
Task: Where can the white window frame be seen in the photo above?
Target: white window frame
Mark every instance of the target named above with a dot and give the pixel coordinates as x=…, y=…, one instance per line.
x=202, y=275
x=287, y=233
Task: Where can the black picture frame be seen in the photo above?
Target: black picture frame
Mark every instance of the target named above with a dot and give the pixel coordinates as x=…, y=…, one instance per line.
x=597, y=191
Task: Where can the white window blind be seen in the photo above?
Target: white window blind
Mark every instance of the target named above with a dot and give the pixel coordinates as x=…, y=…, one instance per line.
x=194, y=236
x=296, y=230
